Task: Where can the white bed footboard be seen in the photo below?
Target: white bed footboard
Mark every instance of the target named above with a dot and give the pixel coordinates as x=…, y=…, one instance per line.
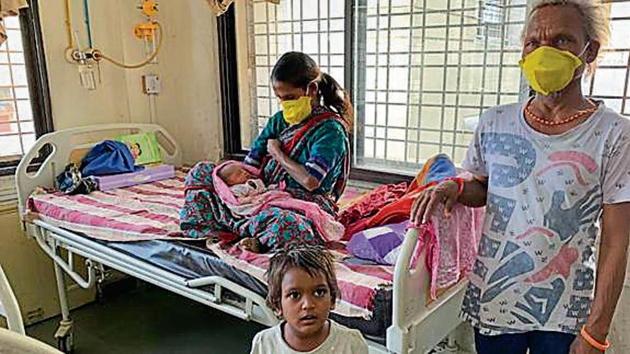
x=416, y=326
x=61, y=145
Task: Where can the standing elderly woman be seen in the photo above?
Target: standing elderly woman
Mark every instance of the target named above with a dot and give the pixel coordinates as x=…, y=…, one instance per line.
x=554, y=175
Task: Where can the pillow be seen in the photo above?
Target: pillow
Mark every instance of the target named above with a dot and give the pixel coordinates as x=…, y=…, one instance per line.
x=379, y=244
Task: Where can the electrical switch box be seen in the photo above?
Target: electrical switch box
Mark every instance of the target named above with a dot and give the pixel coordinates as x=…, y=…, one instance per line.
x=151, y=84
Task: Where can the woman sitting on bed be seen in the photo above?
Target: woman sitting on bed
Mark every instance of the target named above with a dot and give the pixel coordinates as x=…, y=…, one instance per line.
x=304, y=148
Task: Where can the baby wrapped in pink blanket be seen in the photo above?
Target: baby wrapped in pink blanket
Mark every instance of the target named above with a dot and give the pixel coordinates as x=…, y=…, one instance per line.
x=245, y=194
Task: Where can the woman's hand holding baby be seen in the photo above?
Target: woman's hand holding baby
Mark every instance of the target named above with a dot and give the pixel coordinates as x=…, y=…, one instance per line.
x=274, y=147
x=295, y=170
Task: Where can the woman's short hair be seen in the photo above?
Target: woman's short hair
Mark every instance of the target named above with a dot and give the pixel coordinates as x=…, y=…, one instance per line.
x=595, y=17
x=313, y=259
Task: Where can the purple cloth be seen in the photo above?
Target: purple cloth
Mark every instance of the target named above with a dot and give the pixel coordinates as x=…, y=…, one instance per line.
x=149, y=174
x=379, y=244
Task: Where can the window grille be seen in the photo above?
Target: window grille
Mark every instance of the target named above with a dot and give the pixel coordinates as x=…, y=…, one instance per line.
x=315, y=27
x=423, y=71
x=17, y=131
x=427, y=76
x=490, y=17
x=610, y=82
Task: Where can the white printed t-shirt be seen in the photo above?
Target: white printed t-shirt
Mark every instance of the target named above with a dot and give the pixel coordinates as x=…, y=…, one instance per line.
x=341, y=340
x=536, y=264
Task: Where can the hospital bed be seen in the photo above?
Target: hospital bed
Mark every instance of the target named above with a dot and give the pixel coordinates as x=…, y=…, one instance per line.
x=408, y=322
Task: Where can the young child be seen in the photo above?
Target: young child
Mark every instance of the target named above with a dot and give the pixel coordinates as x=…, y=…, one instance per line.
x=303, y=290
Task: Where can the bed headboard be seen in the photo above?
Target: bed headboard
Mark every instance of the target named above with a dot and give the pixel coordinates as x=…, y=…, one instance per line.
x=64, y=146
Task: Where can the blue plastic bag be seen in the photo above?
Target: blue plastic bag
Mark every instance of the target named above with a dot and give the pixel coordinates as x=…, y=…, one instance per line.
x=108, y=158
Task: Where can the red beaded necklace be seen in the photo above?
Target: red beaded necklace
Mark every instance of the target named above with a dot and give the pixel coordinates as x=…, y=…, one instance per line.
x=531, y=115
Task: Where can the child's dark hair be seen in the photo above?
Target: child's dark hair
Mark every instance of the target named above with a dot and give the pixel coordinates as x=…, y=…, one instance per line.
x=311, y=258
x=298, y=70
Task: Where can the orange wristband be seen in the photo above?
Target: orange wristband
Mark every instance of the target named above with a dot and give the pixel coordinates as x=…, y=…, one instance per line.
x=593, y=342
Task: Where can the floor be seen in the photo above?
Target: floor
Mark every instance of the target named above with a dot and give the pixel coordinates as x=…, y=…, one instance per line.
x=134, y=319
x=135, y=322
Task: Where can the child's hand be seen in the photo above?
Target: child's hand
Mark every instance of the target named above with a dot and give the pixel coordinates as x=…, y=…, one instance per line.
x=274, y=147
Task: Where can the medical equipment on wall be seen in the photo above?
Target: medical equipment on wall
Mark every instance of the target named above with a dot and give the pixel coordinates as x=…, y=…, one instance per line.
x=88, y=58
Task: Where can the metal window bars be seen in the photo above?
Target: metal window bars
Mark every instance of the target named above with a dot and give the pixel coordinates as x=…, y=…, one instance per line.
x=315, y=27
x=490, y=18
x=611, y=81
x=423, y=70
x=17, y=131
x=431, y=66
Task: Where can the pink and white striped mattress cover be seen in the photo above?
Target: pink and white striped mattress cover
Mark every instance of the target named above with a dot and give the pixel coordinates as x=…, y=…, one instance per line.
x=150, y=212
x=358, y=284
x=143, y=212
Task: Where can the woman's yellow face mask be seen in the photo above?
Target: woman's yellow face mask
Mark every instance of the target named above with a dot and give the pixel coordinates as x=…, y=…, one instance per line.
x=554, y=51
x=549, y=70
x=295, y=111
x=296, y=103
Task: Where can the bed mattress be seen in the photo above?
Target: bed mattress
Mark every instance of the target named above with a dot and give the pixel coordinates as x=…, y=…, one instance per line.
x=142, y=221
x=193, y=260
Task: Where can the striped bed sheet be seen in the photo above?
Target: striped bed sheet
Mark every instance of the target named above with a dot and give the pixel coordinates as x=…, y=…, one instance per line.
x=151, y=212
x=143, y=212
x=358, y=284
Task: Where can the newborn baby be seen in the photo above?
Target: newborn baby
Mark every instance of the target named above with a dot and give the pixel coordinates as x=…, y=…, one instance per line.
x=247, y=188
x=233, y=174
x=243, y=184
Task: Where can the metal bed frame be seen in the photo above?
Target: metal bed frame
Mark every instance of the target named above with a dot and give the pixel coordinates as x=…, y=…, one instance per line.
x=416, y=327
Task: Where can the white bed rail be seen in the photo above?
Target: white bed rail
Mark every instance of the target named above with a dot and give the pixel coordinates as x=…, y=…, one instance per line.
x=52, y=238
x=9, y=303
x=63, y=143
x=417, y=326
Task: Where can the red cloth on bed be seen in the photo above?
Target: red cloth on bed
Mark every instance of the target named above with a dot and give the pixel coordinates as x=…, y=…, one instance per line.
x=372, y=202
x=391, y=203
x=395, y=211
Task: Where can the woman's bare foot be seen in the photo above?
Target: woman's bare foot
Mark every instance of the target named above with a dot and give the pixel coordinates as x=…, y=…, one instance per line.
x=250, y=244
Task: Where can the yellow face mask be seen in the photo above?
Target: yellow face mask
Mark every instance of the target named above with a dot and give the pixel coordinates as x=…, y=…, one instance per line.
x=550, y=70
x=295, y=111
